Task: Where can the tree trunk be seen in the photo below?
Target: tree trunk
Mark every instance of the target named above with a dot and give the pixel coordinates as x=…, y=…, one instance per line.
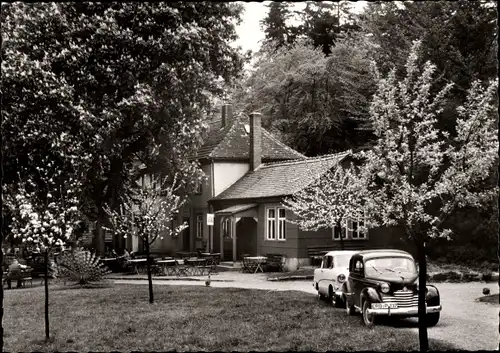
x=422, y=314
x=148, y=265
x=46, y=294
x=339, y=227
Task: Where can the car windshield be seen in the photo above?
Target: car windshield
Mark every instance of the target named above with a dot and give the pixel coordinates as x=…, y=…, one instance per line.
x=342, y=260
x=383, y=265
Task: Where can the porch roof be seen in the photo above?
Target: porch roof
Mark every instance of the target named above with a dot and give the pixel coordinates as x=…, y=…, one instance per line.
x=235, y=209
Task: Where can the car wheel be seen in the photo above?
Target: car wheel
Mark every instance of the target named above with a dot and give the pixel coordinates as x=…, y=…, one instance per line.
x=338, y=301
x=321, y=296
x=331, y=297
x=368, y=319
x=432, y=319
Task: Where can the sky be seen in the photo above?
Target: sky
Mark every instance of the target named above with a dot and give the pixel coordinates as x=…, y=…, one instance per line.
x=249, y=31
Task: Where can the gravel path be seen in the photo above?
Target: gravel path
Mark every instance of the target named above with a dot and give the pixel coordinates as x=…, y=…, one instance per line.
x=465, y=322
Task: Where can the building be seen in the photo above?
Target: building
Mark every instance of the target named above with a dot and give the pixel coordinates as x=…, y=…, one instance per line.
x=249, y=174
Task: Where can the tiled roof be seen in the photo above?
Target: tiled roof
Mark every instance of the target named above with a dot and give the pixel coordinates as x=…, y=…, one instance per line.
x=280, y=179
x=233, y=142
x=236, y=208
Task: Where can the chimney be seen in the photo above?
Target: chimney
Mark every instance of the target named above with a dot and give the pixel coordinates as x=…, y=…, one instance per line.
x=255, y=140
x=227, y=114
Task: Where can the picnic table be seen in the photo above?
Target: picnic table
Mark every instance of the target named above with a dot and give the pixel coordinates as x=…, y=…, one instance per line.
x=254, y=262
x=138, y=265
x=186, y=254
x=213, y=257
x=168, y=266
x=196, y=266
x=111, y=263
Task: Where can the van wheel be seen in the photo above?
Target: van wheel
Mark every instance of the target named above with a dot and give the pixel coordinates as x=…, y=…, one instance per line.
x=368, y=319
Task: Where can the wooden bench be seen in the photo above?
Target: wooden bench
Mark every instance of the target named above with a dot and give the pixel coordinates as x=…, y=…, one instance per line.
x=23, y=275
x=275, y=262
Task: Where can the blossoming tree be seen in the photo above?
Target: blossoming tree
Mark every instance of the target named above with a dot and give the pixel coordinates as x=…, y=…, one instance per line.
x=149, y=215
x=416, y=175
x=328, y=201
x=44, y=218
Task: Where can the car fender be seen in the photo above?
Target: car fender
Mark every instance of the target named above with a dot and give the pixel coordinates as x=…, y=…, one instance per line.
x=432, y=296
x=370, y=294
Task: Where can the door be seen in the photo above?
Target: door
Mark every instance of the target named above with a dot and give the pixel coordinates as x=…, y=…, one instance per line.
x=186, y=235
x=325, y=274
x=246, y=229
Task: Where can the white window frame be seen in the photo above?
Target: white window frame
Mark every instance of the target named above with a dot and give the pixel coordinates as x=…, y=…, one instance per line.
x=273, y=224
x=343, y=232
x=348, y=230
x=199, y=226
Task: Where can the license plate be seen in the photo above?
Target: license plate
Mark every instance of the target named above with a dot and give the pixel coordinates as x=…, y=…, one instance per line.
x=384, y=306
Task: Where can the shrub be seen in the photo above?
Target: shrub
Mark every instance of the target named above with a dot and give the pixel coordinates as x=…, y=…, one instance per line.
x=82, y=267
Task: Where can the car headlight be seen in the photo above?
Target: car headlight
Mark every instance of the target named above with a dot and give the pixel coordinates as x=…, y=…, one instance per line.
x=384, y=287
x=341, y=278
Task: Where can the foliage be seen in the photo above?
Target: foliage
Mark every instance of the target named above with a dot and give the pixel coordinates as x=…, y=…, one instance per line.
x=327, y=201
x=415, y=175
x=149, y=213
x=125, y=81
x=422, y=174
x=459, y=37
x=316, y=104
x=275, y=26
x=44, y=225
x=81, y=266
x=319, y=22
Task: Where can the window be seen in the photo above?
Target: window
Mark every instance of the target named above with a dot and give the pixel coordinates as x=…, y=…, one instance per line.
x=281, y=223
x=271, y=224
x=351, y=229
x=338, y=232
x=226, y=229
x=199, y=226
x=327, y=262
x=358, y=267
x=275, y=223
x=199, y=188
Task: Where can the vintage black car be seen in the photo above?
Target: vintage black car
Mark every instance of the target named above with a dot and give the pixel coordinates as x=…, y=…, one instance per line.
x=385, y=282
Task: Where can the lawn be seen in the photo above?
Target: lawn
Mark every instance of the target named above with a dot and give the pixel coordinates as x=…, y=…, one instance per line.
x=190, y=318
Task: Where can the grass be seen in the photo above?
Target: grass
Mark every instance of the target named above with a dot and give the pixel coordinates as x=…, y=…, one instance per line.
x=493, y=299
x=190, y=318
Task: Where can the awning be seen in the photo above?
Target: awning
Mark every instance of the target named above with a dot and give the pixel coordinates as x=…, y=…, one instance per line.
x=235, y=209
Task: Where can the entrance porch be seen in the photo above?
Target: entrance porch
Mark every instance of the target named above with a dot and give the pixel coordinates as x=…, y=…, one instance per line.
x=237, y=231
